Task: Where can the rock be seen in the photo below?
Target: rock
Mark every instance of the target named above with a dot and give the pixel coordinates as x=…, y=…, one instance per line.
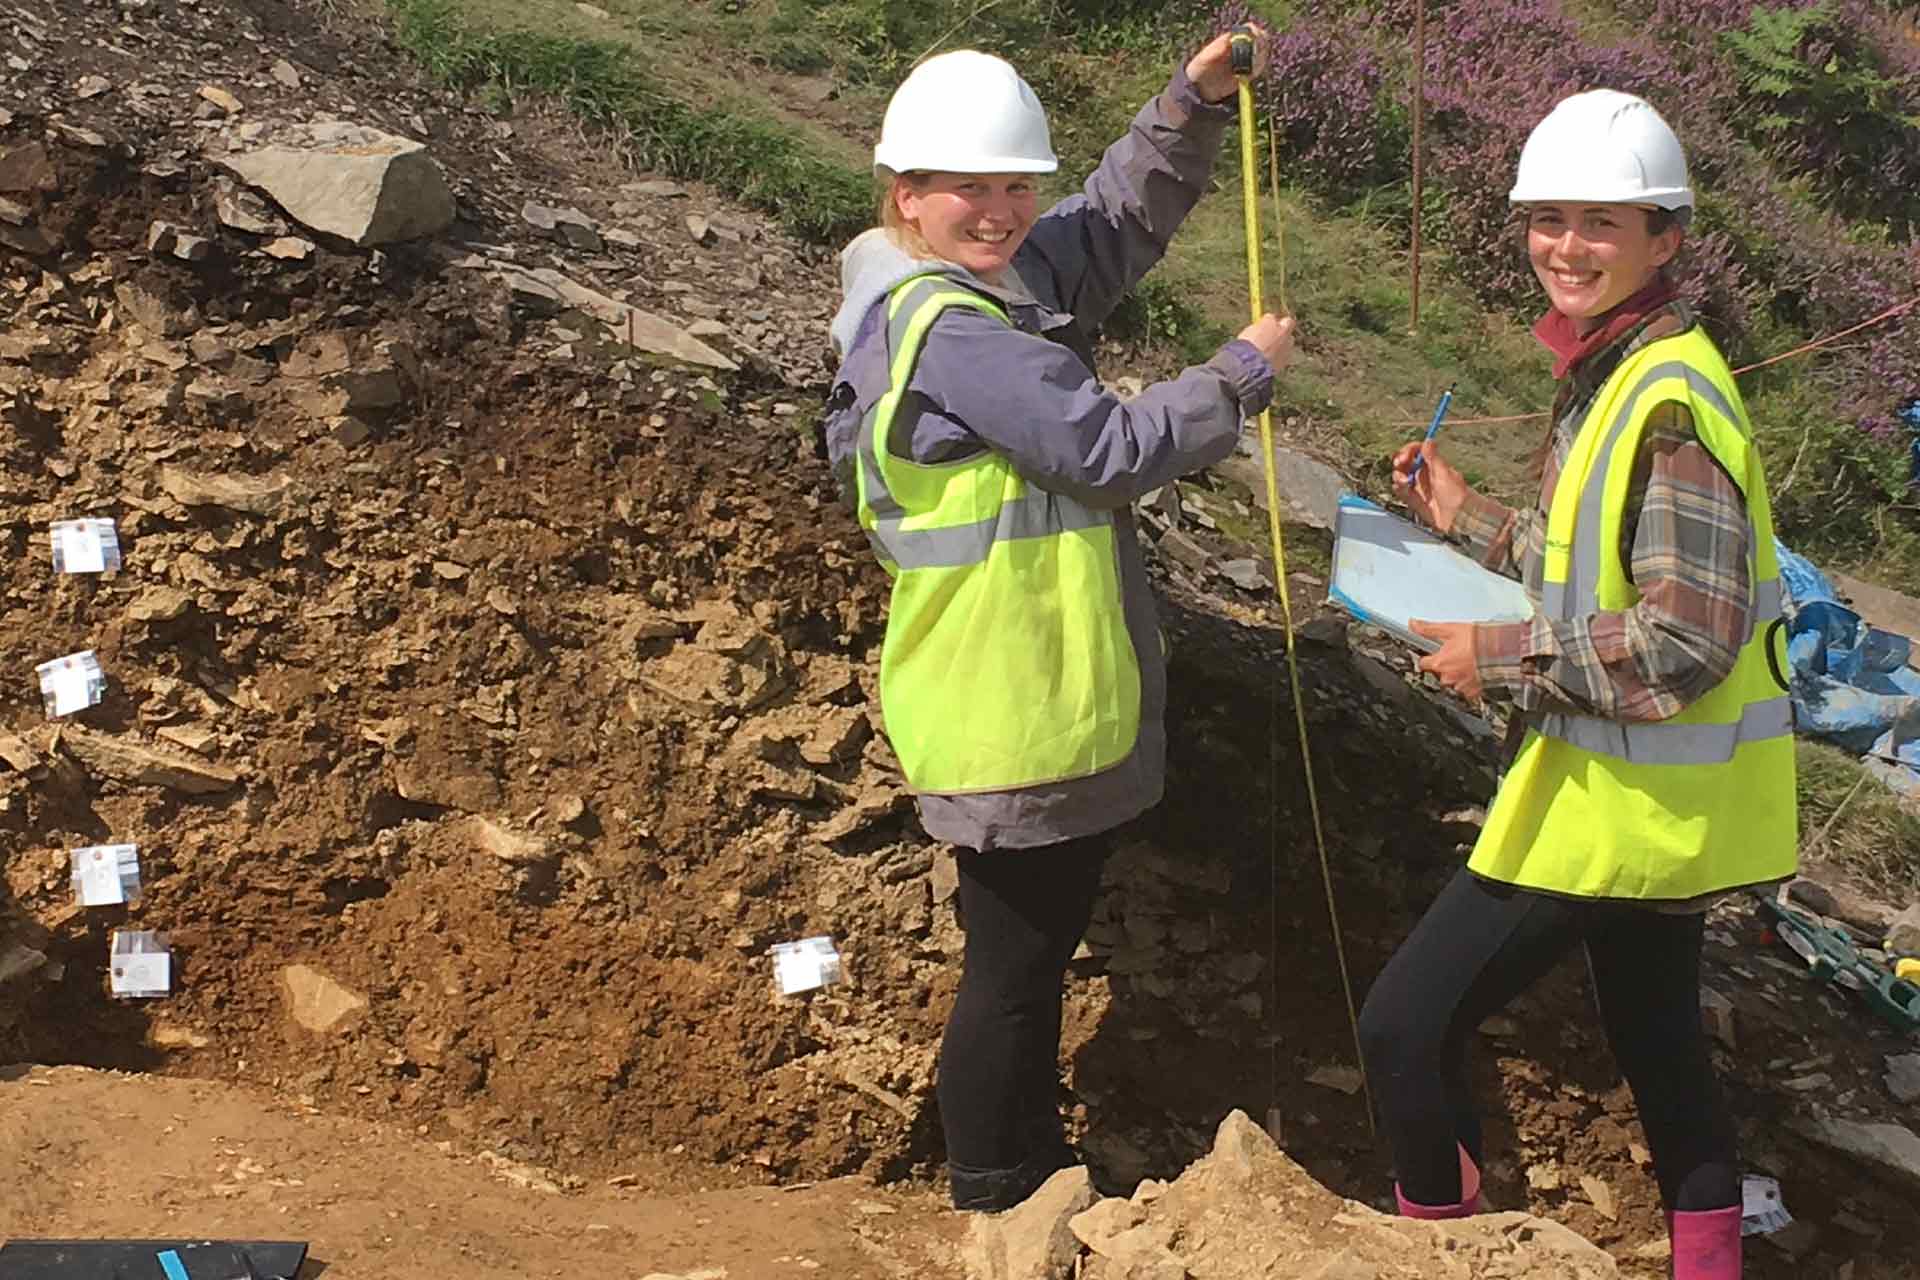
x=658, y=187
x=449, y=786
x=124, y=760
x=1182, y=548
x=18, y=232
x=621, y=236
x=159, y=604
x=221, y=98
x=1336, y=1076
x=1237, y=1145
x=192, y=248
x=152, y=313
x=91, y=87
x=17, y=961
x=699, y=228
x=1903, y=1070
x=1032, y=1240
x=1889, y=1149
x=26, y=170
x=1839, y=902
x=243, y=210
x=351, y=181
x=945, y=876
x=286, y=73
x=289, y=248
x=1140, y=1253
x=1246, y=575
x=165, y=1035
x=508, y=846
x=1601, y=1197
x=593, y=11
x=1716, y=1011
x=1309, y=489
x=1105, y=1220
x=569, y=226
x=17, y=753
x=545, y=289
x=256, y=495
x=1903, y=932
x=161, y=237
x=316, y=1001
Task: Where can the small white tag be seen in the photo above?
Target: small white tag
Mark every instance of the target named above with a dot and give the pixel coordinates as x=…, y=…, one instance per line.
x=1762, y=1211
x=805, y=965
x=85, y=546
x=72, y=683
x=139, y=964
x=105, y=874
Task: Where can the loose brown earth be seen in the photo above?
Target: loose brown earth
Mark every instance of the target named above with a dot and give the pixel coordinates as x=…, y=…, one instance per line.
x=548, y=691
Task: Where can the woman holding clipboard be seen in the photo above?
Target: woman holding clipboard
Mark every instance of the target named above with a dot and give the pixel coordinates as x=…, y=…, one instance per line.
x=1652, y=751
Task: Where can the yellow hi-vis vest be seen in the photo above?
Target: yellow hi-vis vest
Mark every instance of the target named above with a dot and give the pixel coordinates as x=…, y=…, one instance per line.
x=1678, y=808
x=1007, y=662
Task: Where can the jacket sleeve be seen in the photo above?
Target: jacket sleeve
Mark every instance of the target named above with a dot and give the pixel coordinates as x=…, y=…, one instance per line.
x=1688, y=554
x=1036, y=402
x=1099, y=243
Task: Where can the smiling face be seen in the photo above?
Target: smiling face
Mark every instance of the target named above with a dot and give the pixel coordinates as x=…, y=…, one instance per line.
x=1590, y=258
x=974, y=219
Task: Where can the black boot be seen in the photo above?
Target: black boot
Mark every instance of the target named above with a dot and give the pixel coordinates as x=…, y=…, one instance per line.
x=992, y=1190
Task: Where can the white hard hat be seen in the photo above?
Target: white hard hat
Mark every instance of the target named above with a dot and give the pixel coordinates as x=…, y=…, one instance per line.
x=1603, y=147
x=965, y=112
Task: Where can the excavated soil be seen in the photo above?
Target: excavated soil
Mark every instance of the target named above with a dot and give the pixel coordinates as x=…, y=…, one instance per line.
x=482, y=730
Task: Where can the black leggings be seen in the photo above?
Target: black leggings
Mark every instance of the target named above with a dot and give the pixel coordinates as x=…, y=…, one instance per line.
x=1024, y=911
x=1479, y=945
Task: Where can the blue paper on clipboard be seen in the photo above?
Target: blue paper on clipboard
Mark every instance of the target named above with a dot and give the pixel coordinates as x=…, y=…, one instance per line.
x=1387, y=571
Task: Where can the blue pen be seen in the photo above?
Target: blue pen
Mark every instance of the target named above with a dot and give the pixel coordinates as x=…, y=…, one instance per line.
x=1433, y=429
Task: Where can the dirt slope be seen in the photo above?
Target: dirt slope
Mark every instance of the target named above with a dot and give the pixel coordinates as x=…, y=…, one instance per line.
x=481, y=730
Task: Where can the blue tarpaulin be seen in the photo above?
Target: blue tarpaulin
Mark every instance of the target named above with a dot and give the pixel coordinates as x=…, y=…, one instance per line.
x=1851, y=682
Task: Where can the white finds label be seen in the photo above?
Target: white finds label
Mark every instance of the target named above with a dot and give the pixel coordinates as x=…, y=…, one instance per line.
x=805, y=965
x=105, y=874
x=72, y=683
x=139, y=964
x=1762, y=1211
x=85, y=546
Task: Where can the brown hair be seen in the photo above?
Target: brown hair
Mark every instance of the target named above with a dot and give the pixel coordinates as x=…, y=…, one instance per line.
x=886, y=214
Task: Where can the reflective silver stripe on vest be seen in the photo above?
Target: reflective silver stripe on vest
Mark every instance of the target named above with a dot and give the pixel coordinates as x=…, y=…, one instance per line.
x=1668, y=743
x=1580, y=595
x=879, y=498
x=1038, y=515
x=1657, y=742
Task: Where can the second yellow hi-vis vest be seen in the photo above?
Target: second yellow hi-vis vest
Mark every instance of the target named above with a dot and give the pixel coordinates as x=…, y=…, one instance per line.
x=1670, y=809
x=1007, y=662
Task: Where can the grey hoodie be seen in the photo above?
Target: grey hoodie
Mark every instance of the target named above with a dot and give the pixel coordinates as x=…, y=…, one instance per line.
x=1029, y=391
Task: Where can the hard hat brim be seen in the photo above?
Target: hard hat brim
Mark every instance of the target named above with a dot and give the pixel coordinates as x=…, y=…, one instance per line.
x=904, y=160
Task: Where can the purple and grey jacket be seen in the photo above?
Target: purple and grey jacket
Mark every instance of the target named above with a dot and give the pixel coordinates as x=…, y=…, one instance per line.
x=1029, y=391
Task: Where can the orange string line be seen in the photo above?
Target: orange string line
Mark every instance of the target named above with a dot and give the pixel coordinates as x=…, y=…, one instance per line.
x=1815, y=345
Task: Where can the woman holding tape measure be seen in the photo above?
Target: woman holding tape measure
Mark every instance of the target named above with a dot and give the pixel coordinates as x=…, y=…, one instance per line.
x=1654, y=764
x=1021, y=677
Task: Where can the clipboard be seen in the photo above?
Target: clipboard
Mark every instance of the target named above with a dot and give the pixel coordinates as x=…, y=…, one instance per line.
x=1388, y=571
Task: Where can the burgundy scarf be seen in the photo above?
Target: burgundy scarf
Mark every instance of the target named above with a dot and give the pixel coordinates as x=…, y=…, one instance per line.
x=1555, y=331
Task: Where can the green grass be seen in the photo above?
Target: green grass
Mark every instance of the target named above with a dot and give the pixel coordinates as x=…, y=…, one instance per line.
x=1874, y=839
x=737, y=99
x=808, y=185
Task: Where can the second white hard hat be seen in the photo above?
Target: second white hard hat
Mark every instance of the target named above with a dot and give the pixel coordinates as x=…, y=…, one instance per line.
x=965, y=112
x=1603, y=147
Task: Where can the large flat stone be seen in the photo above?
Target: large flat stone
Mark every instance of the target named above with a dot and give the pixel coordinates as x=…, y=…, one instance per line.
x=359, y=183
x=316, y=1001
x=124, y=760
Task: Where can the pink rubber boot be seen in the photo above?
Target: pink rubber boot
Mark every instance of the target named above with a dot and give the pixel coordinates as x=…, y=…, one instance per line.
x=1706, y=1244
x=1470, y=1201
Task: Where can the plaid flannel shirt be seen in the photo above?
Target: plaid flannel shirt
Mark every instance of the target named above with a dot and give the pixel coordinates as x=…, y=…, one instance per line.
x=1684, y=543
